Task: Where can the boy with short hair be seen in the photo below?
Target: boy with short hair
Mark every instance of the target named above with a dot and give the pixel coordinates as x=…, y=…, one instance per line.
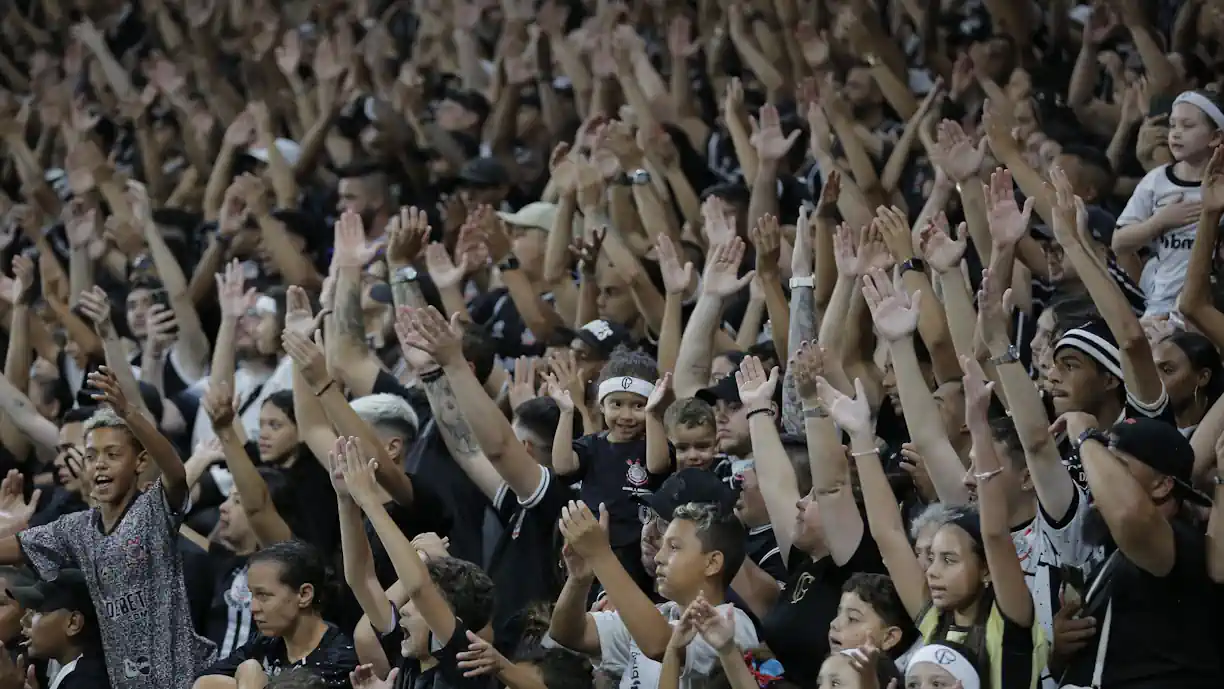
x=700, y=554
x=64, y=627
x=692, y=431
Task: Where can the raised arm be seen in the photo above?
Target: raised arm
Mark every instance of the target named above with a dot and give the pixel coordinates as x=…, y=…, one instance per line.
x=1144, y=388
x=95, y=306
x=1195, y=302
x=719, y=282
x=801, y=324
x=779, y=485
x=158, y=447
x=1006, y=575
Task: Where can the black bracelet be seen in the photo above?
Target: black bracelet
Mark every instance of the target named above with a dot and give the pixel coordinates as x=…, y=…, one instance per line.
x=431, y=376
x=762, y=410
x=323, y=389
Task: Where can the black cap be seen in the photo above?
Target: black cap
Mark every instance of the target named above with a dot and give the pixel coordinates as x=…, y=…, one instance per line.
x=1161, y=446
x=725, y=390
x=483, y=172
x=603, y=336
x=690, y=485
x=68, y=591
x=471, y=100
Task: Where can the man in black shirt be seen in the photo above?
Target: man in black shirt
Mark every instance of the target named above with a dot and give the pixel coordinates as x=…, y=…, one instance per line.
x=1151, y=601
x=64, y=628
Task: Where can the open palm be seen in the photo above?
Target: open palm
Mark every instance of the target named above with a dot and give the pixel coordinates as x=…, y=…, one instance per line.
x=893, y=311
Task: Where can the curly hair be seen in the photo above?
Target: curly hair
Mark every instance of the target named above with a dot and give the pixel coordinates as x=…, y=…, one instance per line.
x=689, y=412
x=633, y=363
x=467, y=589
x=879, y=593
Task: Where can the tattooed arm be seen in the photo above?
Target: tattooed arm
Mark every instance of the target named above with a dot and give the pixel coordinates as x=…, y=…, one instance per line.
x=803, y=319
x=457, y=433
x=348, y=355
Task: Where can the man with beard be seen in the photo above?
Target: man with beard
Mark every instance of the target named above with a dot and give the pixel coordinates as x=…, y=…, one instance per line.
x=1149, y=604
x=365, y=190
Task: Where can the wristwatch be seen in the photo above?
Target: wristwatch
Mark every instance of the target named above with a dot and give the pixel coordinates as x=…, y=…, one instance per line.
x=1092, y=434
x=807, y=281
x=639, y=177
x=510, y=262
x=1011, y=356
x=405, y=274
x=914, y=263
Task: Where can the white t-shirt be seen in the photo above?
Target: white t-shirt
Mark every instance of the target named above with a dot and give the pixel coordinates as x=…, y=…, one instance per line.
x=1165, y=272
x=1043, y=547
x=620, y=655
x=247, y=384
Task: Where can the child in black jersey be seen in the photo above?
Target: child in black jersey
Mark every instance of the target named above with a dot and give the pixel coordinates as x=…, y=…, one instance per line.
x=613, y=467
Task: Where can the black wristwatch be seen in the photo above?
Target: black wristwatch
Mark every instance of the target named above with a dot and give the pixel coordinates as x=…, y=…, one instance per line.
x=1011, y=356
x=913, y=263
x=510, y=262
x=1092, y=434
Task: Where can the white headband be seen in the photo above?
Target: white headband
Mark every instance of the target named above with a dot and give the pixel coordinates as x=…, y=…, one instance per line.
x=265, y=306
x=625, y=384
x=949, y=659
x=1203, y=103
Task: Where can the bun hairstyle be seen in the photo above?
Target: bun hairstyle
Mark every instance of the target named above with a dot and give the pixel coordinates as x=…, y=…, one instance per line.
x=300, y=564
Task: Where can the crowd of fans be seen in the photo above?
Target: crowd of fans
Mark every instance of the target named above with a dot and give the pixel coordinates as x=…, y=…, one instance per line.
x=758, y=344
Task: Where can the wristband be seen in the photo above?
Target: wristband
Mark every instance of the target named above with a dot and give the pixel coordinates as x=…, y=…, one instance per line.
x=431, y=376
x=761, y=410
x=914, y=263
x=815, y=413
x=1092, y=434
x=808, y=282
x=323, y=389
x=986, y=476
x=864, y=453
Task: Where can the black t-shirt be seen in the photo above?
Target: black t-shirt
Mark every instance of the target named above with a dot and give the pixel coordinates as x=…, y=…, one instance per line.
x=61, y=502
x=796, y=629
x=446, y=674
x=497, y=313
x=1164, y=629
x=762, y=548
x=332, y=660
x=228, y=622
x=197, y=580
x=615, y=475
x=1131, y=409
x=86, y=672
x=428, y=512
x=526, y=565
x=316, y=517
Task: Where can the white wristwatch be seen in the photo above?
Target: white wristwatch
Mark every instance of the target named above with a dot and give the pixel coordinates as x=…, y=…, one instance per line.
x=808, y=282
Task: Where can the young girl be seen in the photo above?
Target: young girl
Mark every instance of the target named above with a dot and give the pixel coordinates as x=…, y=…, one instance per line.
x=1163, y=213
x=287, y=582
x=935, y=666
x=613, y=466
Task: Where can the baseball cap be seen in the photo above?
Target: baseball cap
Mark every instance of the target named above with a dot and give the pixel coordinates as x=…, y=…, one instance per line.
x=690, y=485
x=603, y=336
x=483, y=172
x=725, y=390
x=538, y=215
x=68, y=591
x=1161, y=446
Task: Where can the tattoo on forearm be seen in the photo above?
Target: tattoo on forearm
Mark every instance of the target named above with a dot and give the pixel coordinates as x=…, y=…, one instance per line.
x=349, y=320
x=407, y=293
x=802, y=327
x=452, y=424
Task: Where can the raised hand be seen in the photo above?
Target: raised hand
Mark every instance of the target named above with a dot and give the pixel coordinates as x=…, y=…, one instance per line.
x=235, y=301
x=431, y=546
x=767, y=240
x=522, y=384
x=717, y=628
x=676, y=278
x=220, y=405
x=894, y=229
x=853, y=414
x=683, y=631
x=583, y=531
x=715, y=221
x=893, y=310
x=309, y=358
x=802, y=257
x=94, y=303
x=299, y=316
x=407, y=233
x=162, y=330
x=481, y=659
x=363, y=677
x=845, y=251
x=679, y=42
x=722, y=267
x=359, y=472
x=956, y=154
x=767, y=137
x=806, y=367
x=351, y=249
x=661, y=396
x=942, y=253
x=109, y=392
x=829, y=193
x=913, y=463
x=1008, y=223
x=566, y=377
x=586, y=251
x=14, y=508
x=1065, y=214
x=756, y=388
x=873, y=253
x=80, y=225
x=978, y=390
x=428, y=331
x=1213, y=182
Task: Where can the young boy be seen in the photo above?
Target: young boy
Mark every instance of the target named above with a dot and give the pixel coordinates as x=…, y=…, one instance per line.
x=615, y=467
x=63, y=627
x=692, y=431
x=702, y=549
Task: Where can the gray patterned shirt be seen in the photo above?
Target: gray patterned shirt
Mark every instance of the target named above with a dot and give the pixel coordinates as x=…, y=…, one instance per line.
x=135, y=577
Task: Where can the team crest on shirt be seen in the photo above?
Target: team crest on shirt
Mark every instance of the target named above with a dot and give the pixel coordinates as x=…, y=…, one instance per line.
x=134, y=552
x=636, y=474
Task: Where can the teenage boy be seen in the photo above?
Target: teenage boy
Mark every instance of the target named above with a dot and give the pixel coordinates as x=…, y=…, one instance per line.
x=127, y=548
x=702, y=549
x=63, y=627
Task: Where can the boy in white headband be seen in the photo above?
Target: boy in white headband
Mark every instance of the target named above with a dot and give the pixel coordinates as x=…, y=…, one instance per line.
x=614, y=466
x=1162, y=214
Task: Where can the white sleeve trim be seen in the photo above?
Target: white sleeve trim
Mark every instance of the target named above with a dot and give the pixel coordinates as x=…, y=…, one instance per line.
x=1150, y=408
x=500, y=496
x=541, y=488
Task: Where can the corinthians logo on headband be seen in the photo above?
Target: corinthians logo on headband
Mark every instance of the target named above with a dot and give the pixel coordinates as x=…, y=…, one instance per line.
x=625, y=384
